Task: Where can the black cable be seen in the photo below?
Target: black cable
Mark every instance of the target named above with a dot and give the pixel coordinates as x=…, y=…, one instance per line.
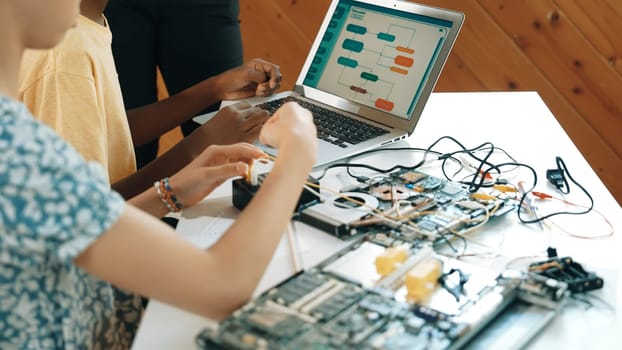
x=557, y=176
x=468, y=151
x=479, y=173
x=484, y=169
x=472, y=186
x=442, y=156
x=561, y=165
x=562, y=183
x=444, y=237
x=349, y=165
x=464, y=241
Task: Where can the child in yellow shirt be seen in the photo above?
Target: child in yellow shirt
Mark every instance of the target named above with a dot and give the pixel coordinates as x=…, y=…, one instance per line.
x=74, y=89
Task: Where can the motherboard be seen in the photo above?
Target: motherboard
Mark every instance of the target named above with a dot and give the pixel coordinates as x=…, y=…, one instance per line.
x=409, y=205
x=373, y=296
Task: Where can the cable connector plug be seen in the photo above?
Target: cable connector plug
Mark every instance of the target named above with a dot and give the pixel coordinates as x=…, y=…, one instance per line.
x=556, y=178
x=541, y=195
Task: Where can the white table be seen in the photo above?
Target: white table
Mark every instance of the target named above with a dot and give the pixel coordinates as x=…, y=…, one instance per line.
x=518, y=122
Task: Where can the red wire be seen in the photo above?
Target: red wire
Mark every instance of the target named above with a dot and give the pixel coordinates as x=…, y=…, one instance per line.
x=544, y=196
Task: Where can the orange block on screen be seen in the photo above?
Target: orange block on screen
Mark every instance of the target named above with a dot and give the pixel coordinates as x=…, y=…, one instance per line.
x=404, y=61
x=384, y=104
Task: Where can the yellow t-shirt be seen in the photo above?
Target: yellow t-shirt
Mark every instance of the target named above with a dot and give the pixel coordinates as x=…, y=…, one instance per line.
x=74, y=88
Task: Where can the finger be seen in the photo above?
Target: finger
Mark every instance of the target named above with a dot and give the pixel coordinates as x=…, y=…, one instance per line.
x=226, y=171
x=248, y=113
x=266, y=89
x=252, y=150
x=252, y=133
x=241, y=151
x=256, y=74
x=273, y=72
x=245, y=92
x=242, y=105
x=240, y=94
x=258, y=118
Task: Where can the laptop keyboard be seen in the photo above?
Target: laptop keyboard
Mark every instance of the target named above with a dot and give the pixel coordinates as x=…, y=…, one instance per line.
x=332, y=126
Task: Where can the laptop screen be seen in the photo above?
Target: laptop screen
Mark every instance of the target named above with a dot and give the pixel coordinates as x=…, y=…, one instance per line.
x=376, y=56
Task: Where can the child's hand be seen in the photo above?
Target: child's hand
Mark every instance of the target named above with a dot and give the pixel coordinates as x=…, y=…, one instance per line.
x=253, y=78
x=291, y=130
x=210, y=169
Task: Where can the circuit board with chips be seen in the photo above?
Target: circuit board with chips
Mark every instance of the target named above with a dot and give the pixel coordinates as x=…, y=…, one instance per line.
x=418, y=302
x=408, y=205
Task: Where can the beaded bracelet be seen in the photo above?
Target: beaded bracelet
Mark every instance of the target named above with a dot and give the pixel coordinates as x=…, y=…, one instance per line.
x=164, y=190
x=171, y=196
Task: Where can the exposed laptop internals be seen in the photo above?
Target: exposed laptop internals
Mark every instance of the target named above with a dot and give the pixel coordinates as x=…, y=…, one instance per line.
x=370, y=72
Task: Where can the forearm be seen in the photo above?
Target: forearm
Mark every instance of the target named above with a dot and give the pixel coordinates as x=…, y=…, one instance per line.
x=165, y=165
x=149, y=122
x=241, y=256
x=149, y=201
x=141, y=254
x=253, y=238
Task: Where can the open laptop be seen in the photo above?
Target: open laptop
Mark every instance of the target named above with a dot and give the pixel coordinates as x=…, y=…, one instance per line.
x=370, y=72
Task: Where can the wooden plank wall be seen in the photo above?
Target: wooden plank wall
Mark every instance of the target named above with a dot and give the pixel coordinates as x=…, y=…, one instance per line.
x=567, y=50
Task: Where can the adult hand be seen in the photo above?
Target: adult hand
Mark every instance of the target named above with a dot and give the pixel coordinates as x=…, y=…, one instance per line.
x=239, y=122
x=210, y=169
x=253, y=78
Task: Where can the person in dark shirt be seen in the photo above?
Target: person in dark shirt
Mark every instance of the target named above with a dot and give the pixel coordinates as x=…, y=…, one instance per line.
x=188, y=40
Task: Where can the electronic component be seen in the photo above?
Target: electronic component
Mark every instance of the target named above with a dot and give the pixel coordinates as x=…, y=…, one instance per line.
x=382, y=239
x=252, y=172
x=325, y=308
x=388, y=261
x=541, y=290
x=515, y=327
x=243, y=191
x=568, y=271
x=336, y=214
x=276, y=321
x=556, y=178
x=406, y=205
x=297, y=288
x=395, y=279
x=431, y=183
x=364, y=274
x=316, y=295
x=422, y=279
x=452, y=190
x=412, y=177
x=391, y=192
x=354, y=325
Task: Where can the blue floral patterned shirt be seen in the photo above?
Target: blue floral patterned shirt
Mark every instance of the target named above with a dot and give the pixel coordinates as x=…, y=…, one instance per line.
x=53, y=205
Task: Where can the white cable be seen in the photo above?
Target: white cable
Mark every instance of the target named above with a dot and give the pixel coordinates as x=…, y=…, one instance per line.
x=294, y=248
